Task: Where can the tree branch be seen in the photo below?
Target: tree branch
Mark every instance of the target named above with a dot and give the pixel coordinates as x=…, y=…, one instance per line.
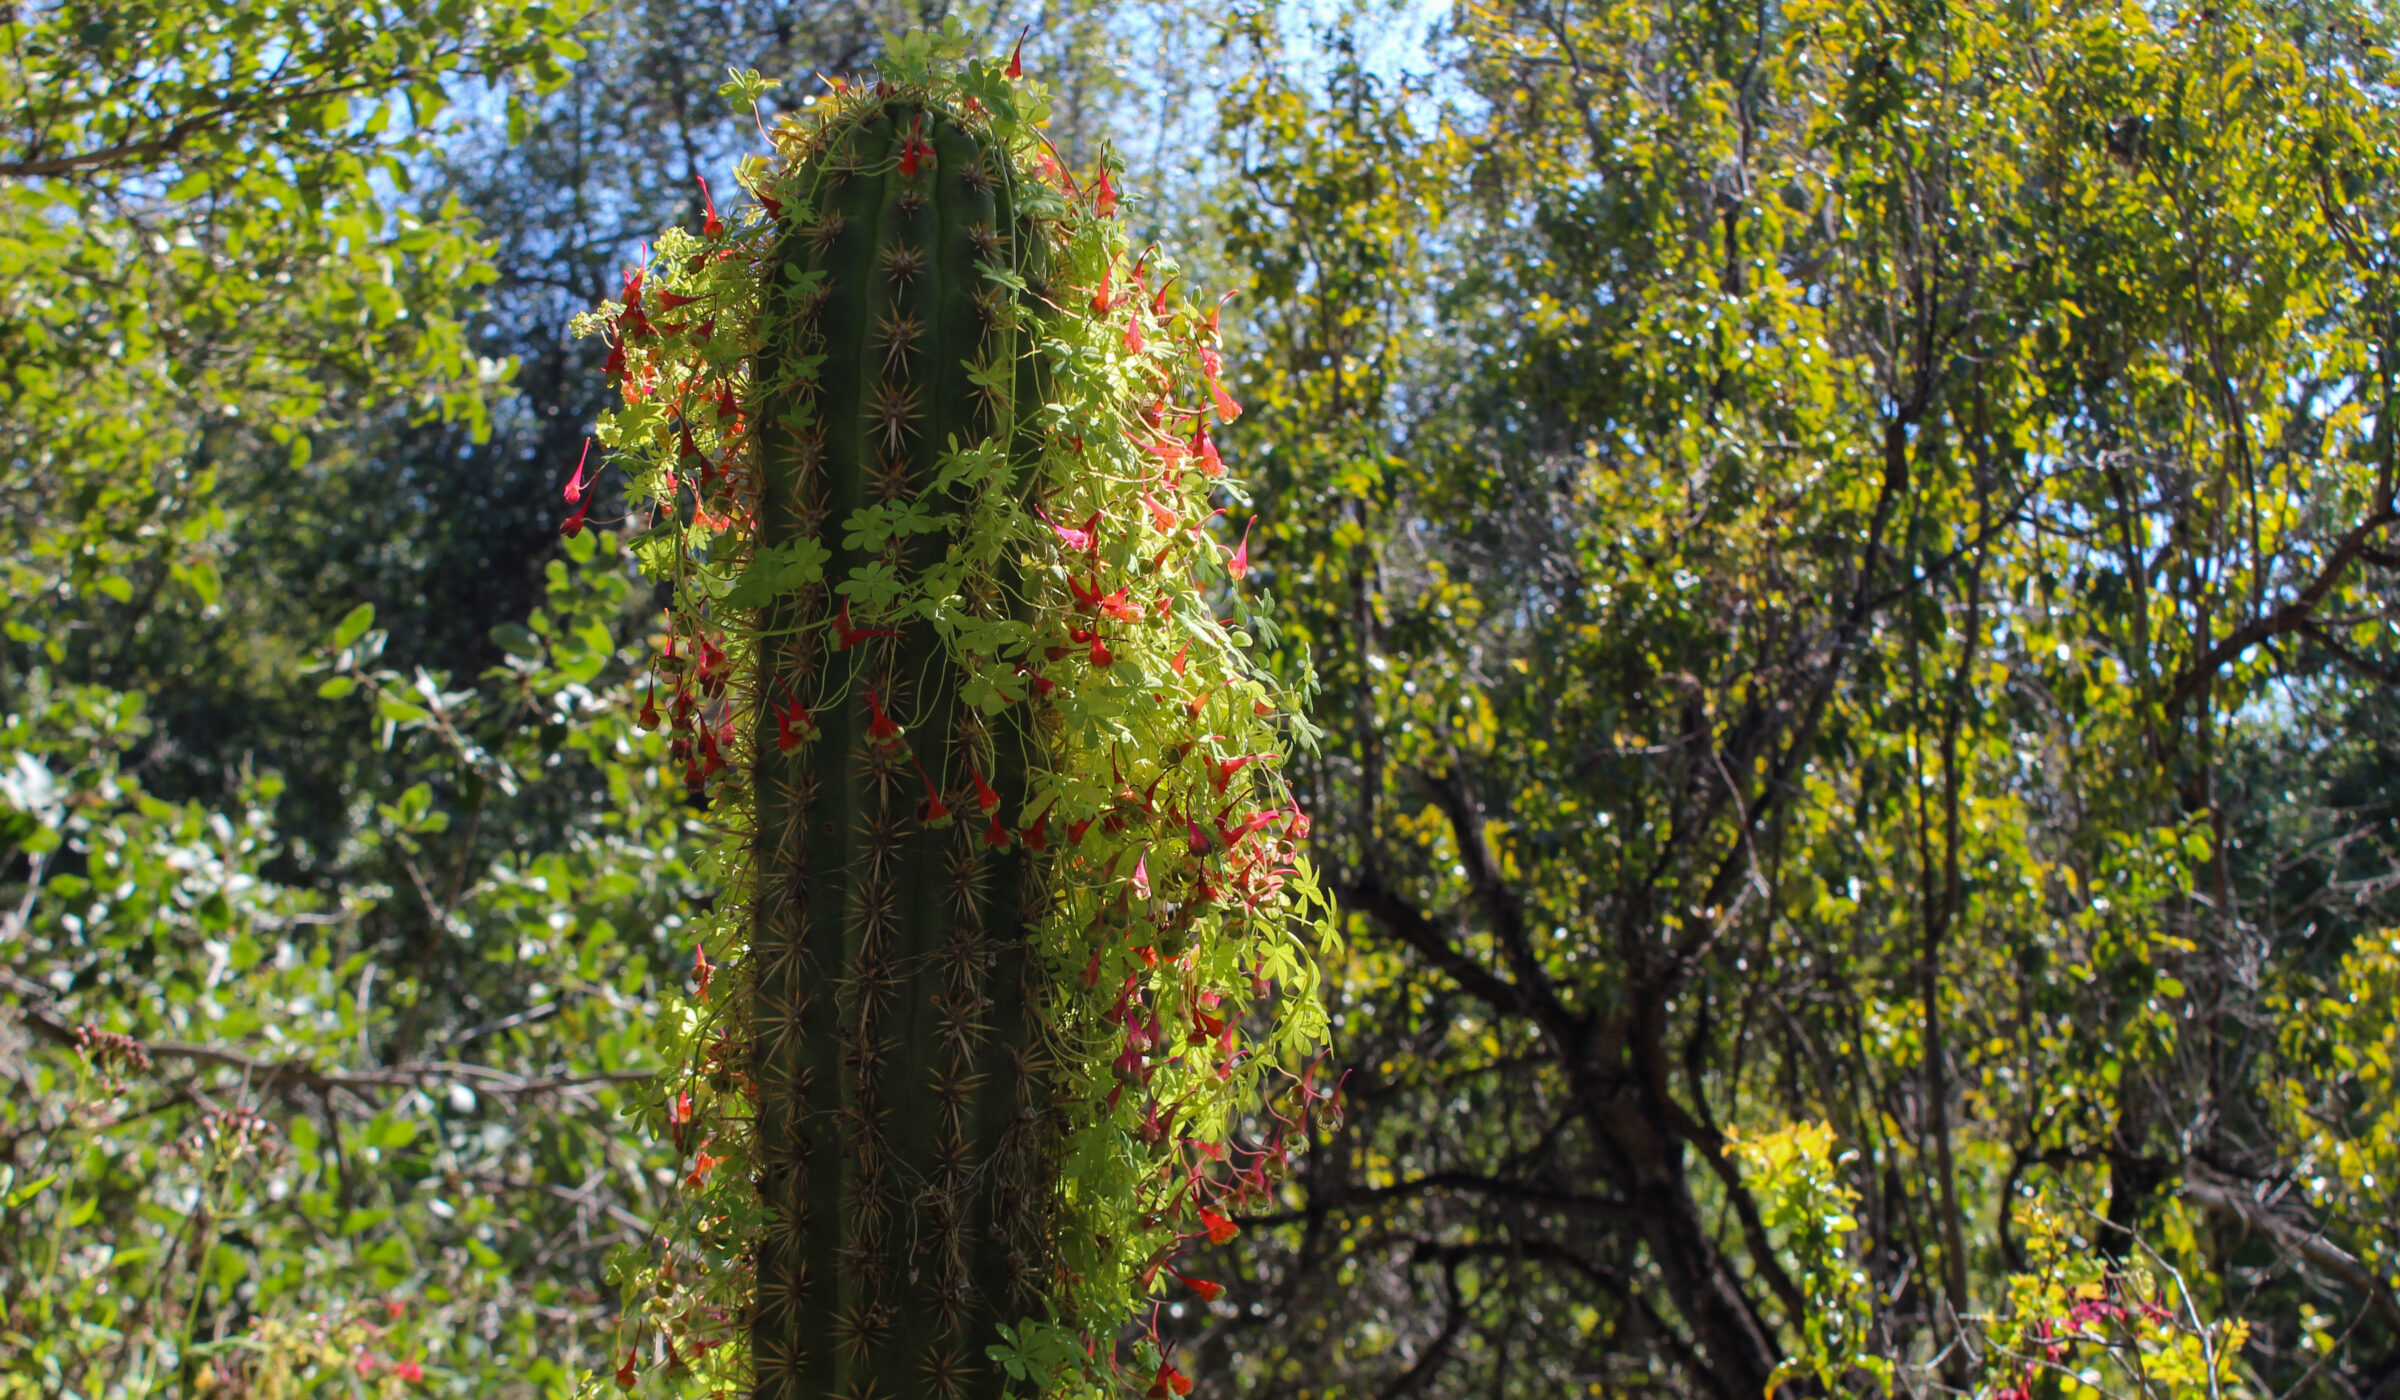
x=1431, y=1182
x=36, y=1000
x=1500, y=903
x=1370, y=895
x=2294, y=616
x=2225, y=1199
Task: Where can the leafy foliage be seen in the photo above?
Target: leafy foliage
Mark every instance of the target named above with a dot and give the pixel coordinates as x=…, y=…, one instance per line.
x=263, y=1131
x=1848, y=551
x=1776, y=522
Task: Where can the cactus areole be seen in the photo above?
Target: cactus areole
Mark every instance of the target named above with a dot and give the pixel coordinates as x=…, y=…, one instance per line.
x=1009, y=962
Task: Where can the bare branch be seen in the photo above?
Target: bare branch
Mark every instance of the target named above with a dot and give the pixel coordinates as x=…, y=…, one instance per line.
x=296, y=1072
x=2228, y=1200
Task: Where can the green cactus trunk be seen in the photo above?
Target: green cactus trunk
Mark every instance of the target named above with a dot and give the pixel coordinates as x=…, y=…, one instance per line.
x=900, y=1094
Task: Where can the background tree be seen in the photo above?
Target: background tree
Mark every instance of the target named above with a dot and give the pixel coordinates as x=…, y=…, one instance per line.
x=1719, y=526
x=370, y=936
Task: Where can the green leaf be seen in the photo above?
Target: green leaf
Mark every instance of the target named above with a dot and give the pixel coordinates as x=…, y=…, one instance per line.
x=390, y=706
x=362, y=1219
x=518, y=640
x=26, y=1192
x=354, y=625
x=778, y=570
x=335, y=687
x=202, y=578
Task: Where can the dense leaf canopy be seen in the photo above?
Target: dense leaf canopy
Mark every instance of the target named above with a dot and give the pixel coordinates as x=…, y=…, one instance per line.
x=1847, y=552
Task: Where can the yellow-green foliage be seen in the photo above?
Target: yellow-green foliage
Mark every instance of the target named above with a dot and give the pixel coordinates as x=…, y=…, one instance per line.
x=2080, y=1325
x=2339, y=1096
x=1796, y=1177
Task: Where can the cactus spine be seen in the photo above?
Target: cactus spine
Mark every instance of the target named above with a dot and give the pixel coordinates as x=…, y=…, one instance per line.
x=898, y=1071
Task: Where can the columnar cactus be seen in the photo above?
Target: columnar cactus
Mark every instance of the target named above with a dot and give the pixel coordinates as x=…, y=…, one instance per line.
x=901, y=1081
x=1013, y=897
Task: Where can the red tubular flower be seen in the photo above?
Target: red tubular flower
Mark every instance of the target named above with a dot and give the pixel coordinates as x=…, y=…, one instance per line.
x=573, y=524
x=1101, y=655
x=1209, y=1291
x=1141, y=875
x=1205, y=449
x=1239, y=564
x=712, y=226
x=881, y=731
x=1220, y=1230
x=1234, y=836
x=1212, y=365
x=1227, y=767
x=1181, y=656
x=1084, y=539
x=793, y=727
x=1227, y=409
x=1161, y=516
x=1037, y=837
x=702, y=1165
x=702, y=968
x=576, y=485
x=931, y=810
x=1133, y=336
x=1102, y=301
x=1016, y=56
x=1169, y=1383
x=1214, y=311
x=996, y=835
x=648, y=718
x=846, y=636
x=1104, y=195
x=985, y=798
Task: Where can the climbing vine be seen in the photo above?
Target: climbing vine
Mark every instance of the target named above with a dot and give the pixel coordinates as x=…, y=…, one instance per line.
x=1082, y=593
